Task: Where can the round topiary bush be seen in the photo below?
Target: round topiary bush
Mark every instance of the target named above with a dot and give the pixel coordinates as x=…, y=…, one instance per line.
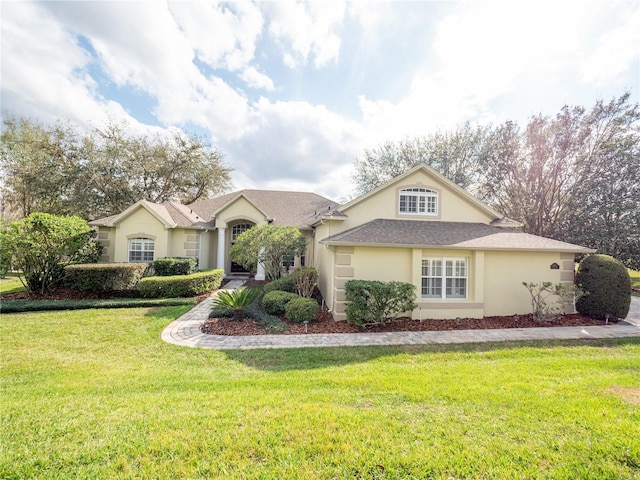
x=300, y=310
x=607, y=285
x=274, y=302
x=284, y=284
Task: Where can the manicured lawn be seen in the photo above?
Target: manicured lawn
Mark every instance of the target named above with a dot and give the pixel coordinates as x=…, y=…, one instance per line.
x=96, y=394
x=10, y=284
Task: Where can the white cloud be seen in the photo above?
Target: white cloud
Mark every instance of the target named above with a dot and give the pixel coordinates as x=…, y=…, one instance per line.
x=616, y=50
x=305, y=30
x=255, y=79
x=488, y=51
x=44, y=71
x=223, y=34
x=296, y=145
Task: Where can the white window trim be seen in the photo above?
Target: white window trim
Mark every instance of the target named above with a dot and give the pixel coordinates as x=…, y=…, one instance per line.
x=145, y=243
x=422, y=197
x=234, y=230
x=443, y=277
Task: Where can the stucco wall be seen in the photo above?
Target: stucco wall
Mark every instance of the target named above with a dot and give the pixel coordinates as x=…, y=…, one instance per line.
x=140, y=224
x=241, y=209
x=384, y=204
x=505, y=272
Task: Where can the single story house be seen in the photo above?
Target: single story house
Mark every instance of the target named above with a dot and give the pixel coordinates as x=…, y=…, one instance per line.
x=464, y=258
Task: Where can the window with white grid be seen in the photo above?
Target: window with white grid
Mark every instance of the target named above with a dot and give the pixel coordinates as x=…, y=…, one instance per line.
x=141, y=250
x=418, y=201
x=444, y=278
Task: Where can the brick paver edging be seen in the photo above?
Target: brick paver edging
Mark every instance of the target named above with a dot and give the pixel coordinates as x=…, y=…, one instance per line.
x=185, y=331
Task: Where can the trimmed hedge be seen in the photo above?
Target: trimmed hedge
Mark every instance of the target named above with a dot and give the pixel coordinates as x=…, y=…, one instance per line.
x=168, y=266
x=19, y=306
x=104, y=277
x=300, y=310
x=607, y=287
x=373, y=302
x=275, y=302
x=283, y=284
x=181, y=285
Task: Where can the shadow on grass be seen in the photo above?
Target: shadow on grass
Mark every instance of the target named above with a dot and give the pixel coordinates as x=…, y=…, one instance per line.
x=276, y=360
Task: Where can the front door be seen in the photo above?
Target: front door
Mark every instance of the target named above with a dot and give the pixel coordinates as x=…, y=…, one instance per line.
x=236, y=231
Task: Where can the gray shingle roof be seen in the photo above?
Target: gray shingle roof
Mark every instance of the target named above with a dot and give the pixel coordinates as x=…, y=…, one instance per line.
x=457, y=235
x=285, y=208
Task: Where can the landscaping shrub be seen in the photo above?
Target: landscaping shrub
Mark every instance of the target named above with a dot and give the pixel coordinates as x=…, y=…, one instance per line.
x=238, y=300
x=169, y=266
x=607, y=287
x=275, y=302
x=300, y=310
x=284, y=284
x=180, y=285
x=305, y=280
x=18, y=306
x=104, y=277
x=254, y=311
x=375, y=302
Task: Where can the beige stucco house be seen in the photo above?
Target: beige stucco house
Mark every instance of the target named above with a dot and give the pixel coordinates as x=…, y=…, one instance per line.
x=464, y=258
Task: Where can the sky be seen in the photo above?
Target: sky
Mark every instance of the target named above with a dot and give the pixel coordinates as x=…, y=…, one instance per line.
x=293, y=93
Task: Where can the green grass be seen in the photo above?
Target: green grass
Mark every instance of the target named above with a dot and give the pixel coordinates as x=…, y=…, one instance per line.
x=10, y=284
x=96, y=394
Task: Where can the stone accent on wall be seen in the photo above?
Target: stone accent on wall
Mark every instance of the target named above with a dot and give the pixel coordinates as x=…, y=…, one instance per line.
x=191, y=244
x=103, y=239
x=343, y=271
x=567, y=273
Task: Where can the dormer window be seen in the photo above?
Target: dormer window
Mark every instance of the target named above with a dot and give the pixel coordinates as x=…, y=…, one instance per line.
x=418, y=201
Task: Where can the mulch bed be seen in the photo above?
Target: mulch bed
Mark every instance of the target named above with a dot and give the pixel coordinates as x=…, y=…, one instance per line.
x=326, y=324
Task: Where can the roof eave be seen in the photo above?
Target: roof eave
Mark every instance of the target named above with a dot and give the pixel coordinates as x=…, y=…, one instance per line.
x=454, y=247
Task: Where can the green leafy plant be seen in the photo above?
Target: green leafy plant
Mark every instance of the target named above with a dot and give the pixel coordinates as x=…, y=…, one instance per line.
x=300, y=310
x=180, y=285
x=375, y=302
x=305, y=280
x=283, y=284
x=275, y=302
x=168, y=266
x=105, y=277
x=608, y=286
x=267, y=244
x=237, y=299
x=549, y=300
x=41, y=244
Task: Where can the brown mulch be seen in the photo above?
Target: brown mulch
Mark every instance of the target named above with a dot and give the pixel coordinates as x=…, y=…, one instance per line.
x=326, y=324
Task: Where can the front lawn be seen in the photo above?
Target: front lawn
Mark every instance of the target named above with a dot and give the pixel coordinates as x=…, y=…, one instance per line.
x=10, y=284
x=96, y=394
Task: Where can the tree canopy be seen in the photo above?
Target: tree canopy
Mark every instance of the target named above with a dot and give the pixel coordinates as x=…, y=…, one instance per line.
x=41, y=244
x=572, y=176
x=267, y=244
x=59, y=170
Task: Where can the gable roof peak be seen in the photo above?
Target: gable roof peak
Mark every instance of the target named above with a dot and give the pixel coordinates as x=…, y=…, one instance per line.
x=439, y=177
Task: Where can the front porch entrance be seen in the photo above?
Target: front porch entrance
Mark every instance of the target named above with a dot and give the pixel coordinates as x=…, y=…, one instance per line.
x=236, y=231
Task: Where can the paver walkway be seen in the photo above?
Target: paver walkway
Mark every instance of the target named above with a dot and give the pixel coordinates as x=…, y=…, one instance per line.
x=185, y=331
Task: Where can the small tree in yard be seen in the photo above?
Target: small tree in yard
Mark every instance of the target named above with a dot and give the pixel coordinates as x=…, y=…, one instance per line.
x=41, y=245
x=549, y=300
x=267, y=244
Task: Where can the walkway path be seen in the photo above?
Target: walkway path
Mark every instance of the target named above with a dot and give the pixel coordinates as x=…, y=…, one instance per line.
x=185, y=331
